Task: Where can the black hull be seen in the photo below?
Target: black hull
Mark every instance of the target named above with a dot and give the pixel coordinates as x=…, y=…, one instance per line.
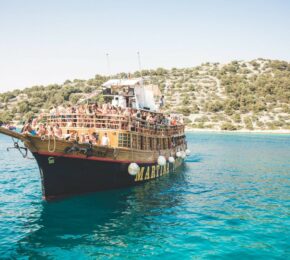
x=64, y=176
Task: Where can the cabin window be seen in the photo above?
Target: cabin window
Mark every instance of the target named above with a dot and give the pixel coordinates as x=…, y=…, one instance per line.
x=161, y=144
x=165, y=143
x=143, y=138
x=134, y=141
x=173, y=142
x=124, y=140
x=151, y=147
x=169, y=143
x=139, y=142
x=148, y=144
x=177, y=141
x=154, y=143
x=158, y=144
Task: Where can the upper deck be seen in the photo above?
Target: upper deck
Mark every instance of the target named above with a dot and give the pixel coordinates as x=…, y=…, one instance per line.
x=128, y=117
x=95, y=122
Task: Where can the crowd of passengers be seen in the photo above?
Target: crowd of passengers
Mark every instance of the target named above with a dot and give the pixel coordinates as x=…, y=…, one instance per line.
x=82, y=116
x=34, y=128
x=86, y=111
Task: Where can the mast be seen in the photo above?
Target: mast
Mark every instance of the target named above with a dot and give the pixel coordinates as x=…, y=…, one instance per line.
x=139, y=62
x=108, y=65
x=140, y=70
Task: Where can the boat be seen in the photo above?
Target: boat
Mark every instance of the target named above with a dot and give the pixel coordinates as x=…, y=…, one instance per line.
x=127, y=150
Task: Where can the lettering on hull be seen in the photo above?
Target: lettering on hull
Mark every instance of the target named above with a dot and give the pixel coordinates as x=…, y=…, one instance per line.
x=152, y=172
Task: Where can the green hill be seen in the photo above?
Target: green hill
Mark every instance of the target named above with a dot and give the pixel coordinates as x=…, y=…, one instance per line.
x=238, y=95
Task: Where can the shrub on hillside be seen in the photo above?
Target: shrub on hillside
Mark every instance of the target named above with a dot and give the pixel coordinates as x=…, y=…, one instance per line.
x=214, y=106
x=248, y=123
x=202, y=119
x=184, y=110
x=228, y=126
x=187, y=121
x=237, y=118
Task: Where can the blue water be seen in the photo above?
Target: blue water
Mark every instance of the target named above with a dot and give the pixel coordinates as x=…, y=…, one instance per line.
x=230, y=201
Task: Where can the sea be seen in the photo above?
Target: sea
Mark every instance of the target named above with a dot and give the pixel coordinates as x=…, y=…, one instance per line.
x=230, y=200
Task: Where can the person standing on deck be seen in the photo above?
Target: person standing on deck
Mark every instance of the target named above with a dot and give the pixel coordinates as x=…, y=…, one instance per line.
x=161, y=103
x=28, y=129
x=105, y=140
x=58, y=131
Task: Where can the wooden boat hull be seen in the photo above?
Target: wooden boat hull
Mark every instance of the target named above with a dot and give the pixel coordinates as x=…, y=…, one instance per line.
x=68, y=168
x=66, y=176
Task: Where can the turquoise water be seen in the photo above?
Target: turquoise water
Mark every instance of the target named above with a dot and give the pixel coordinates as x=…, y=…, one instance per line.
x=230, y=201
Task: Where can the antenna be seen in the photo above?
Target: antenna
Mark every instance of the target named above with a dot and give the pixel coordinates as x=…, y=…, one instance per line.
x=139, y=62
x=108, y=65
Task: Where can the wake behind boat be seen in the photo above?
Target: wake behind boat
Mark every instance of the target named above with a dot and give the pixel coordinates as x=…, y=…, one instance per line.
x=92, y=147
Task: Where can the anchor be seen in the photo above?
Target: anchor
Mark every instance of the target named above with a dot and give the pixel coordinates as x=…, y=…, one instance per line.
x=23, y=150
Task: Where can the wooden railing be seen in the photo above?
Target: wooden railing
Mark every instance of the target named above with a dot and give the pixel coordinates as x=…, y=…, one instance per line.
x=112, y=121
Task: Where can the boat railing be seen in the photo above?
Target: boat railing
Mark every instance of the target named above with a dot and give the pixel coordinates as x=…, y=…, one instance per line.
x=112, y=121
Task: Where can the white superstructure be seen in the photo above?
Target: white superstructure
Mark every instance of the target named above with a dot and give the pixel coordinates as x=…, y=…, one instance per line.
x=132, y=93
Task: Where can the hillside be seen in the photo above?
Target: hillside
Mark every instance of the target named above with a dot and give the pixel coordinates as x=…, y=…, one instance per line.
x=240, y=95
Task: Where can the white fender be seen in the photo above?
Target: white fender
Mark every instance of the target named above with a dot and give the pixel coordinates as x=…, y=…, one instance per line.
x=133, y=169
x=171, y=159
x=161, y=160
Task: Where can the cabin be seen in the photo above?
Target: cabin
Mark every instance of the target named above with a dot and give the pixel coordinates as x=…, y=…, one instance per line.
x=132, y=93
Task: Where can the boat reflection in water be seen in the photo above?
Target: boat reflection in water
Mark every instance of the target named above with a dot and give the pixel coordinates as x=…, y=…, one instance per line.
x=102, y=220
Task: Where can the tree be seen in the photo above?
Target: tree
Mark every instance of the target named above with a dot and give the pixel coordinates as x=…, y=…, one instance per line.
x=6, y=117
x=73, y=98
x=161, y=71
x=23, y=107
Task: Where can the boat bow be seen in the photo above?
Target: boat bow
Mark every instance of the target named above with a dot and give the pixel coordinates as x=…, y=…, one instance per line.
x=13, y=134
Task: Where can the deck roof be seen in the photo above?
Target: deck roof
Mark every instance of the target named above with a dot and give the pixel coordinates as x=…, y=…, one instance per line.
x=123, y=82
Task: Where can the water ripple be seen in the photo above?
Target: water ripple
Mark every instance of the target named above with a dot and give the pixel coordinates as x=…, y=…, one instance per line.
x=231, y=200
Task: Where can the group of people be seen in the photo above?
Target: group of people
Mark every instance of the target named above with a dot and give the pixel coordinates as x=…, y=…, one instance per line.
x=90, y=138
x=34, y=128
x=86, y=109
x=79, y=114
x=84, y=115
x=31, y=127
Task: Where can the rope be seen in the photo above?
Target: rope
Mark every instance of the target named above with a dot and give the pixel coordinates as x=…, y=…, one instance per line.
x=54, y=145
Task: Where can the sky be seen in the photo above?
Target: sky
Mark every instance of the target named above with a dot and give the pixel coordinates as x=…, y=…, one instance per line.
x=46, y=42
